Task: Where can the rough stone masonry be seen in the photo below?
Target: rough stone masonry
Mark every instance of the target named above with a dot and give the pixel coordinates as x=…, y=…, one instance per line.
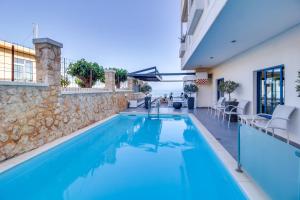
x=34, y=114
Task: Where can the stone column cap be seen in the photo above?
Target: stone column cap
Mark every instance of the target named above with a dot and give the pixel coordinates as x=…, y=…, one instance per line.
x=110, y=70
x=47, y=40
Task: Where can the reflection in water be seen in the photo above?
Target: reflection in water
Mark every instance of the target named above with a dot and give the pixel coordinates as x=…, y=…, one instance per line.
x=132, y=157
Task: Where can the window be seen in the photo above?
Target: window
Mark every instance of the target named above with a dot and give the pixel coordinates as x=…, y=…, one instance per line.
x=270, y=89
x=23, y=70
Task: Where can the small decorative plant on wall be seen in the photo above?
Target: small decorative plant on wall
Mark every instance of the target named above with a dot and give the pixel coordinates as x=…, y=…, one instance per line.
x=146, y=88
x=120, y=76
x=298, y=84
x=64, y=81
x=228, y=87
x=189, y=89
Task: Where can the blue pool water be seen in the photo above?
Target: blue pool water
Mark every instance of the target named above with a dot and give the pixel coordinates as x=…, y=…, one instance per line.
x=127, y=157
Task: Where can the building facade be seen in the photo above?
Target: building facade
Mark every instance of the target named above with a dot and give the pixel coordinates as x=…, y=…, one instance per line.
x=254, y=43
x=17, y=62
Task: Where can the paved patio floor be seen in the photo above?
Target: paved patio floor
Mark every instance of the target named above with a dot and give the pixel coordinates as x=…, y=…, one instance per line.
x=226, y=136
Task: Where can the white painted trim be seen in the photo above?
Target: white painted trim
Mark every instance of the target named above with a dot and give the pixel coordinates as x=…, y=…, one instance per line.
x=10, y=163
x=246, y=184
x=24, y=84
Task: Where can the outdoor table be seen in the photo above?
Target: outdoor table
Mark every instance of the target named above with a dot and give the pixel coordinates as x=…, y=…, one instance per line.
x=177, y=103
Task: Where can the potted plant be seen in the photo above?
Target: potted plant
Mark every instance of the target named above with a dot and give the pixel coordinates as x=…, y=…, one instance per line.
x=146, y=89
x=228, y=87
x=298, y=84
x=189, y=89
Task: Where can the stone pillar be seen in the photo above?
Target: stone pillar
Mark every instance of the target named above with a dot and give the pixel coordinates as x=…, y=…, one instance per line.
x=130, y=83
x=110, y=83
x=48, y=61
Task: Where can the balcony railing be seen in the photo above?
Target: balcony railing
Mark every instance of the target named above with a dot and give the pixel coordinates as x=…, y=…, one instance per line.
x=196, y=11
x=182, y=49
x=272, y=163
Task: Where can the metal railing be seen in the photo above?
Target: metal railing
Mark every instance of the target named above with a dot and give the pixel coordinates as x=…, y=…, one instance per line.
x=17, y=62
x=74, y=90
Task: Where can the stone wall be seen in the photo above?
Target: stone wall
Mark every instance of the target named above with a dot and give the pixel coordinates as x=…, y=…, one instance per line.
x=34, y=114
x=31, y=116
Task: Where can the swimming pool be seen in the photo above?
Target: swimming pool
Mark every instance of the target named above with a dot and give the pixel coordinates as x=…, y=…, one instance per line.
x=127, y=157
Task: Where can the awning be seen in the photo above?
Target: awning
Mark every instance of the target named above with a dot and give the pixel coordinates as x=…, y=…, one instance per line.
x=148, y=74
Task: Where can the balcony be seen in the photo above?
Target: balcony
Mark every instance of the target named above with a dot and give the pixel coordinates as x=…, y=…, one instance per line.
x=182, y=47
x=196, y=11
x=184, y=11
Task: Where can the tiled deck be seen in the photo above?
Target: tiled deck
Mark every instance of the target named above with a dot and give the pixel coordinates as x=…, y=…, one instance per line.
x=226, y=136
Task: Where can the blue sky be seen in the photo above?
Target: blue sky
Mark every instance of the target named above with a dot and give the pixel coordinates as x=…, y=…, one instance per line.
x=132, y=34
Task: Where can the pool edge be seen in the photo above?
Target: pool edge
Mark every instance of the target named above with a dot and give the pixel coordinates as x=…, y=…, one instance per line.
x=12, y=162
x=246, y=184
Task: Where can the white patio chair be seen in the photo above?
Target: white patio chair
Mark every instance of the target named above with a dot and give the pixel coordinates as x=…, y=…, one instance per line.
x=170, y=103
x=217, y=106
x=185, y=103
x=278, y=120
x=235, y=110
x=133, y=104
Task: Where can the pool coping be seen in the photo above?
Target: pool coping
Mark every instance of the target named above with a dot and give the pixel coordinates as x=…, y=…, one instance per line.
x=12, y=162
x=246, y=184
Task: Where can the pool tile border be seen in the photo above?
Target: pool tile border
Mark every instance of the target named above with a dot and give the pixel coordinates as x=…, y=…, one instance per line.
x=246, y=184
x=10, y=163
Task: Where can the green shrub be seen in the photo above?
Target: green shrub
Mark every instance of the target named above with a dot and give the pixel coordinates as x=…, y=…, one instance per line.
x=64, y=81
x=146, y=89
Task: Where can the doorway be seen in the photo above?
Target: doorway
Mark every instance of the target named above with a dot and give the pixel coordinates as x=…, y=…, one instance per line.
x=219, y=93
x=270, y=89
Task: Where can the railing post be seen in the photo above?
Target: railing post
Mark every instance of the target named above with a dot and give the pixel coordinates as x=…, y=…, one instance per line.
x=13, y=63
x=239, y=165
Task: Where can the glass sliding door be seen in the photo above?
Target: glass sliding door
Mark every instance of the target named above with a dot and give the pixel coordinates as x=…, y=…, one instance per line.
x=270, y=89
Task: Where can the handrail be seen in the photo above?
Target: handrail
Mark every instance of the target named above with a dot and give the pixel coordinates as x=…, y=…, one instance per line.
x=149, y=108
x=158, y=105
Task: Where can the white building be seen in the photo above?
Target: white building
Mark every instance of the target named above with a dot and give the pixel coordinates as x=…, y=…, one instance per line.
x=255, y=43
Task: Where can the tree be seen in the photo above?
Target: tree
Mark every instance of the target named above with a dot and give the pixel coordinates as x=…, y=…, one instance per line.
x=228, y=87
x=298, y=84
x=120, y=76
x=190, y=88
x=146, y=88
x=86, y=73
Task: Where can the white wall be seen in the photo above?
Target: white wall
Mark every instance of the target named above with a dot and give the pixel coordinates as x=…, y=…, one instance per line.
x=204, y=95
x=282, y=49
